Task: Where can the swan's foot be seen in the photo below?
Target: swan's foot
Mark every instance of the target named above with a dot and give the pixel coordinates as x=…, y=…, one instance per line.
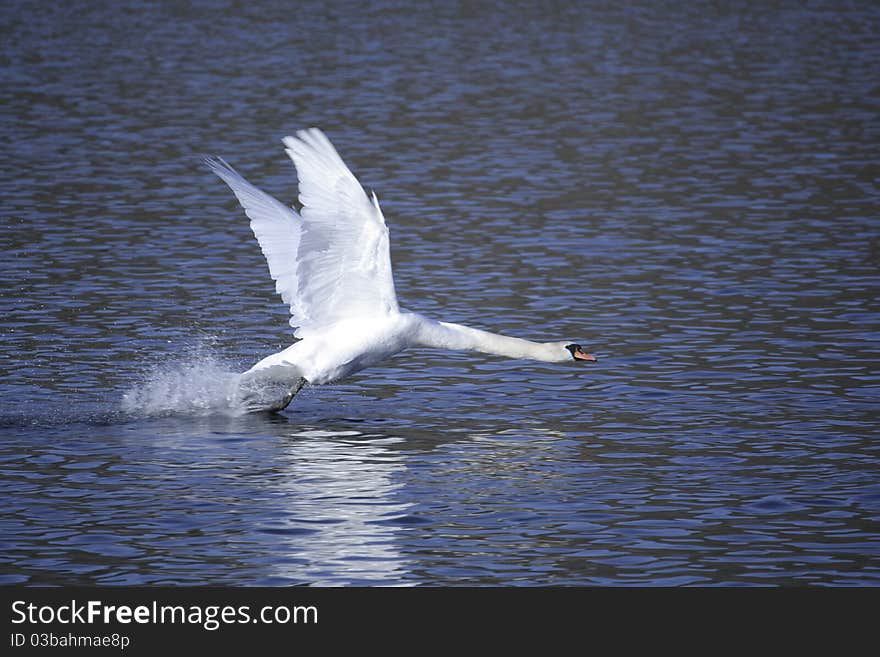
x=254, y=402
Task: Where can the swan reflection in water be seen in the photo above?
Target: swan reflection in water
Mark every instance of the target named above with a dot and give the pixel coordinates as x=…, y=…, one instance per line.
x=337, y=510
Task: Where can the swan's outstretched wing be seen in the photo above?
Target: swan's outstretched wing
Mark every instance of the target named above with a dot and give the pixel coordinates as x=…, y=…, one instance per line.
x=332, y=260
x=344, y=259
x=277, y=228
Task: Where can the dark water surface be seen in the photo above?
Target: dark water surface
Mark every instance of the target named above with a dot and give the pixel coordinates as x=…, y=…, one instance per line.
x=689, y=191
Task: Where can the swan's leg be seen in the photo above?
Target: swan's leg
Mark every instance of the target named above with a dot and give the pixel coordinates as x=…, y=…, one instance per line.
x=285, y=401
x=255, y=405
x=258, y=387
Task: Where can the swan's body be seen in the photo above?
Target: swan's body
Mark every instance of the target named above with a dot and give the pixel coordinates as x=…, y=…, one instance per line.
x=331, y=264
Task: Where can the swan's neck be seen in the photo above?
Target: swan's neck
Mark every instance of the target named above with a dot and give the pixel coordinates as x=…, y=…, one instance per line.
x=444, y=335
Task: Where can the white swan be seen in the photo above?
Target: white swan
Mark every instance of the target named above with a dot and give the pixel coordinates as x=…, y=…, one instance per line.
x=331, y=265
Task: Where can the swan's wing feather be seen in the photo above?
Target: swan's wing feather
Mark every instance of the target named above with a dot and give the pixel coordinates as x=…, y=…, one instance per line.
x=332, y=260
x=277, y=228
x=343, y=261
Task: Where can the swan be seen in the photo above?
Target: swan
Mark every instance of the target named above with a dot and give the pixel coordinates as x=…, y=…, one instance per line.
x=332, y=266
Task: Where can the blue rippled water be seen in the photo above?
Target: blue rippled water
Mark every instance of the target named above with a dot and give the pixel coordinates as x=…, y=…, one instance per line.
x=690, y=193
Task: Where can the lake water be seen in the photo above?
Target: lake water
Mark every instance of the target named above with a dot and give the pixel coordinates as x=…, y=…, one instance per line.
x=689, y=191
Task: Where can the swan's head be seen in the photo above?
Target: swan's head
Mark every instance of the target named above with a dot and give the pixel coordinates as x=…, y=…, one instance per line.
x=579, y=354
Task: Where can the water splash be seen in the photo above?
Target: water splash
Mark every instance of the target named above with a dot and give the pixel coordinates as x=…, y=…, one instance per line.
x=201, y=384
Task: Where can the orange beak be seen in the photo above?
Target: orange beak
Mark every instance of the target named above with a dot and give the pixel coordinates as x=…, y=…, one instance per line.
x=579, y=354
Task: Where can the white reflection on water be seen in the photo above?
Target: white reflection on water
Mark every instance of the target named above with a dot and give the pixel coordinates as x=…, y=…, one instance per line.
x=346, y=491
